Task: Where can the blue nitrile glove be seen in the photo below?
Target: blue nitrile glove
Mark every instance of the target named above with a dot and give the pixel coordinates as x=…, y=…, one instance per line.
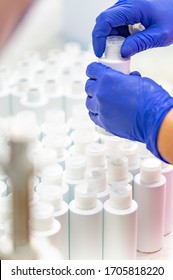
x=155, y=15
x=128, y=106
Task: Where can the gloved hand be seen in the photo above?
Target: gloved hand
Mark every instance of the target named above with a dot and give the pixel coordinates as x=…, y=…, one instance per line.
x=128, y=106
x=155, y=15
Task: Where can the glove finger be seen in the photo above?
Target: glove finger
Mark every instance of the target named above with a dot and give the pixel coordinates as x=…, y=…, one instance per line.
x=90, y=87
x=94, y=118
x=91, y=105
x=140, y=41
x=135, y=73
x=106, y=21
x=95, y=70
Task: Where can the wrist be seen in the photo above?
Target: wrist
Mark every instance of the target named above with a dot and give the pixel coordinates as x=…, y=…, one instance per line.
x=165, y=138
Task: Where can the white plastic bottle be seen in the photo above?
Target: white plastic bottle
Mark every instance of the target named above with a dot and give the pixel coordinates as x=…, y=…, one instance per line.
x=86, y=222
x=167, y=171
x=149, y=193
x=43, y=223
x=120, y=225
x=17, y=92
x=113, y=59
x=36, y=102
x=74, y=173
x=75, y=96
x=54, y=196
x=54, y=94
x=53, y=175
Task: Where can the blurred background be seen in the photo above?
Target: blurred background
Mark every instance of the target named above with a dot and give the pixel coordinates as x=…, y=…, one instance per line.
x=51, y=23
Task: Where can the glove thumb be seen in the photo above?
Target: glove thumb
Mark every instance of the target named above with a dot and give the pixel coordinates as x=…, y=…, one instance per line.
x=135, y=73
x=140, y=41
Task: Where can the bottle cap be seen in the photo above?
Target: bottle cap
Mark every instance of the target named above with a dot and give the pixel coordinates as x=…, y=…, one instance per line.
x=96, y=178
x=52, y=194
x=113, y=47
x=47, y=157
x=150, y=170
x=111, y=144
x=85, y=197
x=77, y=87
x=56, y=142
x=51, y=87
x=55, y=116
x=33, y=95
x=52, y=174
x=42, y=217
x=82, y=139
x=121, y=197
x=50, y=128
x=75, y=167
x=117, y=168
x=129, y=149
x=95, y=155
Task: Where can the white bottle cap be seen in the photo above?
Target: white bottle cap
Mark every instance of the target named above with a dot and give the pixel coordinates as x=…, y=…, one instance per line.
x=51, y=128
x=52, y=194
x=83, y=125
x=42, y=217
x=45, y=157
x=55, y=116
x=82, y=139
x=95, y=155
x=3, y=188
x=150, y=170
x=85, y=197
x=51, y=87
x=111, y=144
x=96, y=177
x=117, y=168
x=75, y=167
x=73, y=48
x=29, y=116
x=56, y=142
x=52, y=174
x=22, y=85
x=121, y=197
x=77, y=88
x=33, y=95
x=113, y=47
x=79, y=111
x=129, y=149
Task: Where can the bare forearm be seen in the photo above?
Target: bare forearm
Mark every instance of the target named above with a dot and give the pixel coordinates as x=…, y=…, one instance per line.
x=165, y=138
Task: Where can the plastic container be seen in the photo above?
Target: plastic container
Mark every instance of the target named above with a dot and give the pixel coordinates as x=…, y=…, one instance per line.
x=86, y=223
x=54, y=196
x=113, y=59
x=167, y=171
x=74, y=173
x=149, y=193
x=120, y=225
x=96, y=178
